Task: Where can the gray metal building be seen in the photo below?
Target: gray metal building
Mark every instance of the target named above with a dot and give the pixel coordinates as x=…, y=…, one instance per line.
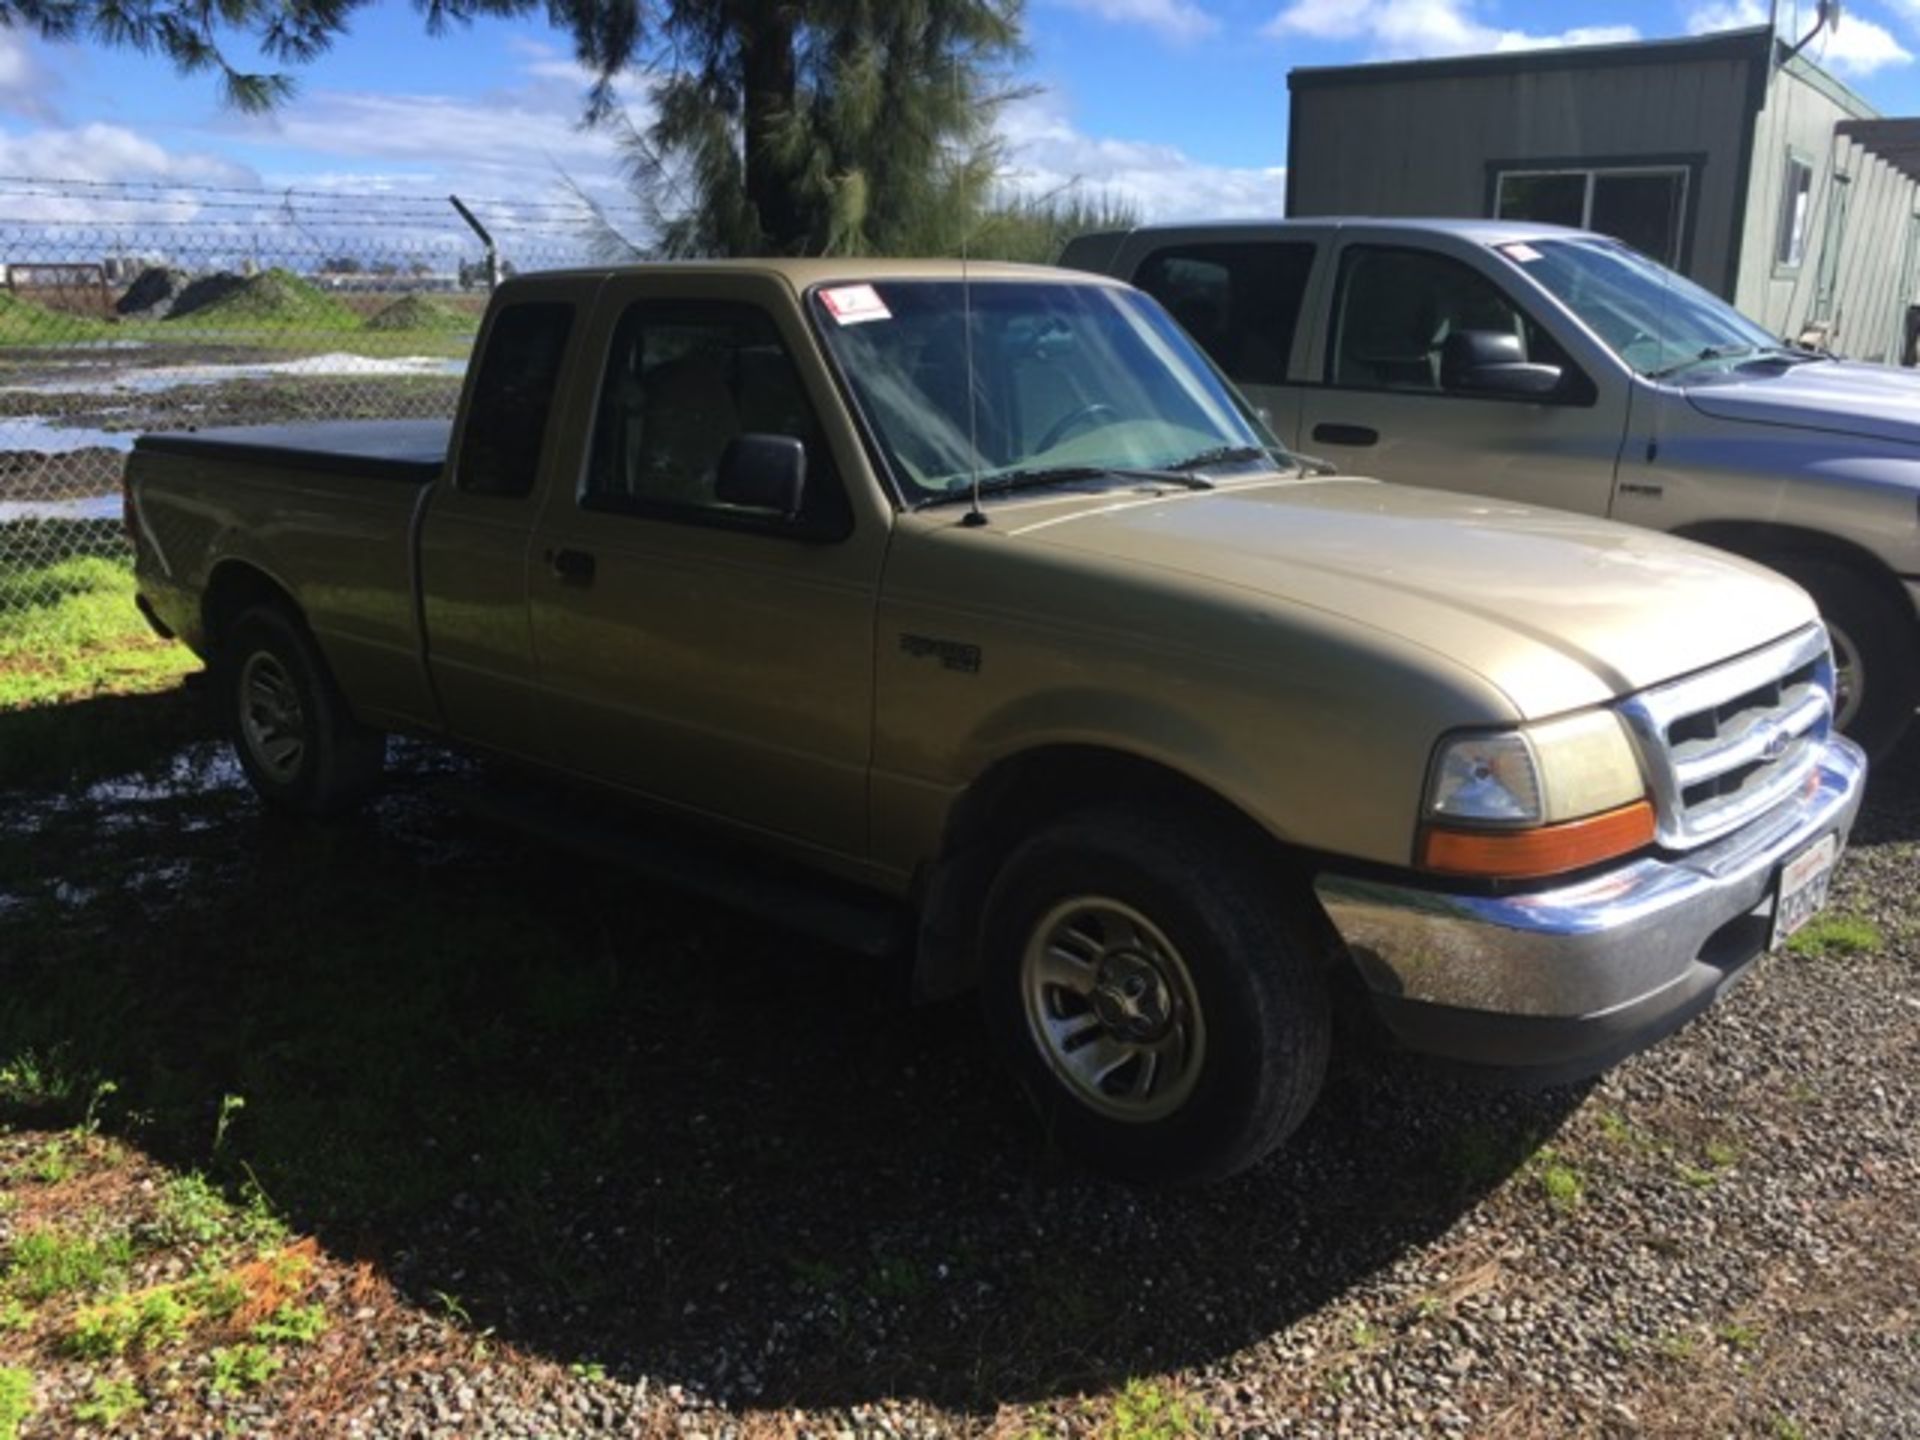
x=1730, y=157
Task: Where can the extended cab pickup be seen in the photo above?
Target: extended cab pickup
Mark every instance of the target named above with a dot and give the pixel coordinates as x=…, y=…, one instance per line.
x=979, y=598
x=1560, y=368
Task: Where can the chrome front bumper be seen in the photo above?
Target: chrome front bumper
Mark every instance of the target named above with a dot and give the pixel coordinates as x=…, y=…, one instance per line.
x=1575, y=977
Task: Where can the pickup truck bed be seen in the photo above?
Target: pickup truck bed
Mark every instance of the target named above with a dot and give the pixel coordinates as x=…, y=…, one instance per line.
x=410, y=450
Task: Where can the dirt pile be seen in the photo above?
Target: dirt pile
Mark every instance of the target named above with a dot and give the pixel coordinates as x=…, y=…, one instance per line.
x=273, y=297
x=421, y=312
x=154, y=292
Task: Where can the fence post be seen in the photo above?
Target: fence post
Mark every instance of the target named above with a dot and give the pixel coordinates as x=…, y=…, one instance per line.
x=493, y=251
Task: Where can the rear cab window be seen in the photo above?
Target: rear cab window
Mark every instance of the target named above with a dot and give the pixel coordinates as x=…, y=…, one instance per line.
x=507, y=414
x=1241, y=300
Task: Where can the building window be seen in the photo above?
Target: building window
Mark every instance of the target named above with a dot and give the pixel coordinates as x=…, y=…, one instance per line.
x=1796, y=198
x=1644, y=206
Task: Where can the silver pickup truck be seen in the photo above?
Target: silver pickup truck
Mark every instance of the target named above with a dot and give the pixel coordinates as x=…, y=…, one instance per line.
x=1561, y=368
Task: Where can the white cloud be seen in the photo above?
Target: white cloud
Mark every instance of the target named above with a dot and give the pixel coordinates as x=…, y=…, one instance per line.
x=1175, y=19
x=1047, y=154
x=1855, y=46
x=1407, y=29
x=24, y=81
x=92, y=154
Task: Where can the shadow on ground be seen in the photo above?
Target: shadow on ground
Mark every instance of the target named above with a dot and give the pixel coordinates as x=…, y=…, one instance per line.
x=614, y=1124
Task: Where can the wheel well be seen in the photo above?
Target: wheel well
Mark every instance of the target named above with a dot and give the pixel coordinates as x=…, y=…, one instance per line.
x=1767, y=542
x=233, y=587
x=1021, y=794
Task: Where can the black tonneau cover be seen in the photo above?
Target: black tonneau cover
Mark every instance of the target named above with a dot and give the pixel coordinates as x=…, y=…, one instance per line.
x=409, y=450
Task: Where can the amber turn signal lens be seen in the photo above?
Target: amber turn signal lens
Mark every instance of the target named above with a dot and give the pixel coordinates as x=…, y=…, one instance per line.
x=1546, y=850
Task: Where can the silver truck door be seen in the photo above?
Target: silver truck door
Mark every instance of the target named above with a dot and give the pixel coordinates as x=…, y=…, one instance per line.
x=1388, y=401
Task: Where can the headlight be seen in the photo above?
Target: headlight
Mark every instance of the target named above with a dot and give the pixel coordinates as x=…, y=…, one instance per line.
x=1540, y=800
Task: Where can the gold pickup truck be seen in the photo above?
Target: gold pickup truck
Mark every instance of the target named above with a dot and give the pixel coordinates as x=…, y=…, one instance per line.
x=981, y=601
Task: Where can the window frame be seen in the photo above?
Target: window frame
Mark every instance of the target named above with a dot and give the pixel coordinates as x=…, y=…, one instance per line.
x=830, y=530
x=1833, y=242
x=1577, y=388
x=1792, y=265
x=1592, y=172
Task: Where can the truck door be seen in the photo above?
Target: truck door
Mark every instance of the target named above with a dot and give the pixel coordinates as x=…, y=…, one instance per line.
x=479, y=521
x=1388, y=404
x=711, y=658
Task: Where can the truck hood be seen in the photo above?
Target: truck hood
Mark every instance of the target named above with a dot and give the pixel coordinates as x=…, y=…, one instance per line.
x=1556, y=610
x=1834, y=395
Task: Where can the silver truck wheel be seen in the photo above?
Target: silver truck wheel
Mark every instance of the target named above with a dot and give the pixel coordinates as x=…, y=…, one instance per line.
x=1876, y=650
x=1158, y=986
x=296, y=739
x=1111, y=1004
x=272, y=721
x=1847, y=677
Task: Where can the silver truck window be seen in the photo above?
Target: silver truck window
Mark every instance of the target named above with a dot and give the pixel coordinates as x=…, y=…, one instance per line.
x=507, y=415
x=1240, y=301
x=684, y=378
x=1395, y=308
x=1062, y=375
x=1653, y=319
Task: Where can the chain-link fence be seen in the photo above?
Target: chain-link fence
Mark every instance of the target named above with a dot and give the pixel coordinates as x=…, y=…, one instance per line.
x=131, y=308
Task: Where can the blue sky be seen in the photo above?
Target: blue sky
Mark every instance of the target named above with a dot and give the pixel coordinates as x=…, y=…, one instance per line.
x=1179, y=104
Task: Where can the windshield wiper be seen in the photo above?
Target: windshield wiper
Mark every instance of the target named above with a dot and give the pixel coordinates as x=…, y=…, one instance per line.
x=962, y=488
x=1712, y=352
x=1240, y=454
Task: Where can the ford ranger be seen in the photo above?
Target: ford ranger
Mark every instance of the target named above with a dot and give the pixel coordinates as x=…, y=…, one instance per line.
x=1561, y=368
x=979, y=600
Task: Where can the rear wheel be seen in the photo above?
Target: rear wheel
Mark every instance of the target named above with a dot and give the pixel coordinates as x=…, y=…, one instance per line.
x=298, y=743
x=1162, y=1003
x=1876, y=652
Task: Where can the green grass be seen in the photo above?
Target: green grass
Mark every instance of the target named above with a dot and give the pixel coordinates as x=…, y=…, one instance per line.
x=70, y=629
x=151, y=1320
x=16, y=1400
x=240, y=1368
x=1836, y=936
x=292, y=1324
x=24, y=323
x=110, y=1402
x=276, y=298
x=1560, y=1181
x=1146, y=1411
x=43, y=1263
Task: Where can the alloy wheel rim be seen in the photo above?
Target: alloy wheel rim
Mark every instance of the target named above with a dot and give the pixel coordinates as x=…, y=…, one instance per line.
x=1111, y=1005
x=272, y=720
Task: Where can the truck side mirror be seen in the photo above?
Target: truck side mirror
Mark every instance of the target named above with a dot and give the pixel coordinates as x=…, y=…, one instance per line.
x=1494, y=362
x=763, y=472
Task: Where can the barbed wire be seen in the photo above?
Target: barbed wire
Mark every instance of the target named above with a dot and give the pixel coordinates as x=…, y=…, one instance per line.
x=165, y=190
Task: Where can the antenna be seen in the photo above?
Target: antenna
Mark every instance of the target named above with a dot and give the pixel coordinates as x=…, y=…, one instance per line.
x=975, y=516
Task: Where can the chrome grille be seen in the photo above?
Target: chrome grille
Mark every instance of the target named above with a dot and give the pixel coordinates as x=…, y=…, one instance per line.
x=1726, y=745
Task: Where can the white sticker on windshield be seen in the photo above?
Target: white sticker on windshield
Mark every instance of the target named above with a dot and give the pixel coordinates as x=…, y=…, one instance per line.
x=1520, y=254
x=855, y=304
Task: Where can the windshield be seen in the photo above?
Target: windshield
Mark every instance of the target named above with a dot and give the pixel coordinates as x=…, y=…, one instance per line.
x=1069, y=380
x=1656, y=321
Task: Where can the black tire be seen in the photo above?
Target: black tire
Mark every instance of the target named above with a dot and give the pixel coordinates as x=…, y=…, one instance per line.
x=307, y=757
x=1254, y=958
x=1882, y=639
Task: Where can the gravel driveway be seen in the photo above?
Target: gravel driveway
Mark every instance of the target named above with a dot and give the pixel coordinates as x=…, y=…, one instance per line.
x=580, y=1157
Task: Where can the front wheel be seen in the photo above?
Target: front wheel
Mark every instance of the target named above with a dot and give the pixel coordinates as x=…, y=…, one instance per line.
x=1156, y=993
x=299, y=744
x=1876, y=652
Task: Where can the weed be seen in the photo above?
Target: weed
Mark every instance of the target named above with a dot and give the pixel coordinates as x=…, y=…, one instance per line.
x=1722, y=1154
x=1623, y=1342
x=14, y=1317
x=259, y=1224
x=816, y=1274
x=1694, y=1176
x=52, y=1163
x=1146, y=1411
x=110, y=1403
x=1428, y=1306
x=215, y=1296
x=895, y=1279
x=592, y=1371
x=1482, y=1155
x=453, y=1309
x=1739, y=1336
x=240, y=1368
x=45, y=1263
x=1366, y=1335
x=1673, y=1346
x=1785, y=1427
x=1339, y=1382
x=104, y=1090
x=192, y=1211
x=292, y=1324
x=1836, y=936
x=1560, y=1181
x=230, y=1106
x=16, y=1400
x=148, y=1321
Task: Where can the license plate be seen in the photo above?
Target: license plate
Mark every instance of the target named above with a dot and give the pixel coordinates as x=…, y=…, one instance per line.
x=1803, y=887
